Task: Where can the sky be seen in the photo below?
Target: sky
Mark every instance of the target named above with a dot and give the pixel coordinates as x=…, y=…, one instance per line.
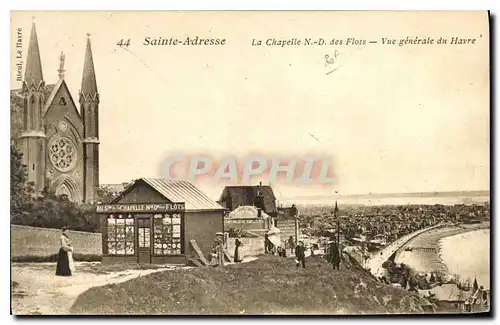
x=390, y=118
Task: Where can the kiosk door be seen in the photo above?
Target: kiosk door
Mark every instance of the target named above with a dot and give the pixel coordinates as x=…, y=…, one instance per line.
x=144, y=239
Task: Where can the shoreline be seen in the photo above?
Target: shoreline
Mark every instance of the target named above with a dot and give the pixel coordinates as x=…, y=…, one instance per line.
x=427, y=251
x=469, y=264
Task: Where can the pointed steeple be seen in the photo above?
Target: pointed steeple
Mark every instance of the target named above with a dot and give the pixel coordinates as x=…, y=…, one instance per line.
x=88, y=90
x=33, y=74
x=89, y=108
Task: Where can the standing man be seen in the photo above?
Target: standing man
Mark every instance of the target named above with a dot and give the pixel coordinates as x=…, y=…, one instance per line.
x=300, y=255
x=291, y=244
x=333, y=255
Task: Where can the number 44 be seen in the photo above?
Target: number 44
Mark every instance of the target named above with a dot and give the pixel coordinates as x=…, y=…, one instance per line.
x=122, y=42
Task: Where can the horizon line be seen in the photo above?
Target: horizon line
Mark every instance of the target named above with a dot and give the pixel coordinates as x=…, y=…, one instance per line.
x=471, y=193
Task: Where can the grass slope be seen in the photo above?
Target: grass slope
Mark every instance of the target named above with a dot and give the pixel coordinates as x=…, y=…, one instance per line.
x=270, y=285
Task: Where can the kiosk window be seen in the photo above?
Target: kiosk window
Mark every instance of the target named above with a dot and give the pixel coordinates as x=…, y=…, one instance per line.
x=167, y=234
x=120, y=235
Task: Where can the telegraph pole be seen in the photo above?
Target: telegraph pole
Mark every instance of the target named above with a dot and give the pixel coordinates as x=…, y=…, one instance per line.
x=335, y=215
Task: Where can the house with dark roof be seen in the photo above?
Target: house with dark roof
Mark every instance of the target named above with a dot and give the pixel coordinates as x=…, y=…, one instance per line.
x=154, y=220
x=259, y=196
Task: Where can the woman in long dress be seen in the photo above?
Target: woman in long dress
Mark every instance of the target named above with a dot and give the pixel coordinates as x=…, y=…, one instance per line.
x=65, y=256
x=238, y=256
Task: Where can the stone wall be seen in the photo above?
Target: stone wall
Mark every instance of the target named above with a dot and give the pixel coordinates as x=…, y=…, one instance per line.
x=251, y=246
x=34, y=241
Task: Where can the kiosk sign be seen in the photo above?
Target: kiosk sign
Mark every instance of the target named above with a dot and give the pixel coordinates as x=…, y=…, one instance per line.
x=140, y=207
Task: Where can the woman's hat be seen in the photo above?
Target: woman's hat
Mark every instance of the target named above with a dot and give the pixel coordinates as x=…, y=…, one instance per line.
x=219, y=233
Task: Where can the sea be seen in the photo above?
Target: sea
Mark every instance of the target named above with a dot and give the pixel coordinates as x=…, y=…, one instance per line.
x=468, y=255
x=375, y=201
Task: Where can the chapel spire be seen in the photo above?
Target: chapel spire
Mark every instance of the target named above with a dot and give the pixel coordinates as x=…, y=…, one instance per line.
x=88, y=90
x=32, y=139
x=89, y=108
x=33, y=74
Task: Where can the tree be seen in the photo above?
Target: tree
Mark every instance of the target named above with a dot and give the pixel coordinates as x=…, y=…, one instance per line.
x=104, y=194
x=18, y=195
x=48, y=211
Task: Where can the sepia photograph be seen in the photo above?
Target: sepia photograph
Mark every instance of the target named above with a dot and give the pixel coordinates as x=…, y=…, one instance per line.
x=250, y=163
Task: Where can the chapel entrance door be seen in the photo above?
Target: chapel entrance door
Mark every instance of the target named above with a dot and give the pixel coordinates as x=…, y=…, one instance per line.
x=144, y=239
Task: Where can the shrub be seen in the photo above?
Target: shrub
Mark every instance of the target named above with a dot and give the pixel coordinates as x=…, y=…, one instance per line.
x=48, y=210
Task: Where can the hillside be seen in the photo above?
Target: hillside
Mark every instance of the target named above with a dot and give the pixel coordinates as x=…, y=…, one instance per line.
x=269, y=285
x=16, y=109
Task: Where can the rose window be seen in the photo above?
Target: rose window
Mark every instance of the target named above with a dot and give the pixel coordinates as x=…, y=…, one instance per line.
x=62, y=154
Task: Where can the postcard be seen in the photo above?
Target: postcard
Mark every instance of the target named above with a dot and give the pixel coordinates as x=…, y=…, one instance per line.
x=250, y=163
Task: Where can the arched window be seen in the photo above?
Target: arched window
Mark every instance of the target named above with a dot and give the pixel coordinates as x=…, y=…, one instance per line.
x=63, y=190
x=96, y=124
x=90, y=122
x=40, y=110
x=25, y=114
x=32, y=112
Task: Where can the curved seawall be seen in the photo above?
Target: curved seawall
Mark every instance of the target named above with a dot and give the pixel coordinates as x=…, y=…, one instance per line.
x=374, y=263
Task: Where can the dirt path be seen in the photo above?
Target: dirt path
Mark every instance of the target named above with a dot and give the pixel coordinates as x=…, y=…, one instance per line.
x=36, y=290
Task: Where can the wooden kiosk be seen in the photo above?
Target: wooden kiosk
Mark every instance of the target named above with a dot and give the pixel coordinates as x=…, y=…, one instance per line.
x=142, y=233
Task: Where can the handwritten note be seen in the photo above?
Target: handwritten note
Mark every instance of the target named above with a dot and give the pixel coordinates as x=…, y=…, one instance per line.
x=331, y=62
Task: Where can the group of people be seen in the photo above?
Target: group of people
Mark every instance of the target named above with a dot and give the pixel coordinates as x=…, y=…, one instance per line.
x=332, y=254
x=217, y=256
x=270, y=248
x=299, y=251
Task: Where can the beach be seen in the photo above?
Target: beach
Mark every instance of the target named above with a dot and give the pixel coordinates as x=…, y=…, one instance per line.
x=456, y=250
x=467, y=255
